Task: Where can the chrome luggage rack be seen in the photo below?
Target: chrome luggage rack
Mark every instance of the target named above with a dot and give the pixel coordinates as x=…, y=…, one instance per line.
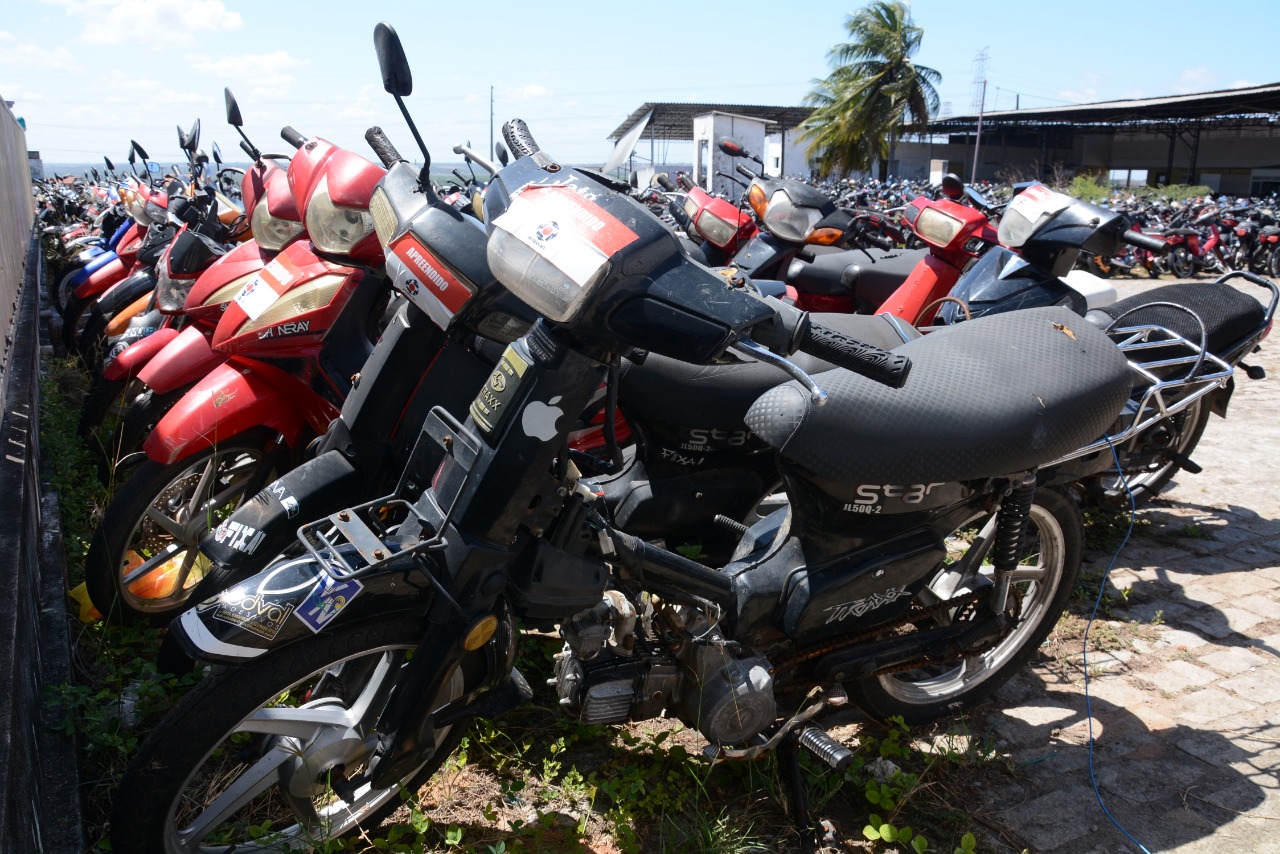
x=363, y=539
x=1155, y=354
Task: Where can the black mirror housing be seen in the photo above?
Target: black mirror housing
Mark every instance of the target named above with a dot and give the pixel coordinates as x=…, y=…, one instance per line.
x=396, y=78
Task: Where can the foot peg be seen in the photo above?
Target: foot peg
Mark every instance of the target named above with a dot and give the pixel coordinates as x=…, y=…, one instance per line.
x=820, y=743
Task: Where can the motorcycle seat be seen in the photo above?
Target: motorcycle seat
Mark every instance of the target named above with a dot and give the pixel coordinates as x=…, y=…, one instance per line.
x=719, y=395
x=994, y=396
x=1228, y=314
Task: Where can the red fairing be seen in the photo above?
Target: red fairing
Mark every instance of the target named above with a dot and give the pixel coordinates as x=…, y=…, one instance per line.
x=130, y=244
x=254, y=183
x=102, y=279
x=825, y=303
x=245, y=260
x=299, y=334
x=931, y=279
x=138, y=355
x=235, y=397
x=186, y=358
x=280, y=203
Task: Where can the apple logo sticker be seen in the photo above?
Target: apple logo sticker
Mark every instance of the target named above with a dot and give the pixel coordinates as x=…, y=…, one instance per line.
x=539, y=419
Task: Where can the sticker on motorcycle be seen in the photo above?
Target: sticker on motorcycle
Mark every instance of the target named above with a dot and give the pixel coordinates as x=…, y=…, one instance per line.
x=262, y=290
x=255, y=613
x=326, y=600
x=431, y=278
x=572, y=232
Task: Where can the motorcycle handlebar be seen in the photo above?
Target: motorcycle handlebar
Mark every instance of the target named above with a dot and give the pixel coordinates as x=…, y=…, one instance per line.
x=878, y=240
x=291, y=136
x=382, y=147
x=851, y=354
x=665, y=183
x=518, y=138
x=745, y=172
x=1145, y=241
x=248, y=149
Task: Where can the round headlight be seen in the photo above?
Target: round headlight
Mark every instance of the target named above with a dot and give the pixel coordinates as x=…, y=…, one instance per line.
x=334, y=228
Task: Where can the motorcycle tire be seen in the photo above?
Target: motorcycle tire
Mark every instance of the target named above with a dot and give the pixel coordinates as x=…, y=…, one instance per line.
x=202, y=758
x=1047, y=571
x=61, y=287
x=74, y=318
x=144, y=559
x=1181, y=264
x=136, y=423
x=1273, y=263
x=1152, y=467
x=102, y=396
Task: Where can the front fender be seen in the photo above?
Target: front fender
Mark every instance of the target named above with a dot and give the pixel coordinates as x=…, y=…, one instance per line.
x=235, y=397
x=96, y=276
x=186, y=358
x=139, y=355
x=291, y=601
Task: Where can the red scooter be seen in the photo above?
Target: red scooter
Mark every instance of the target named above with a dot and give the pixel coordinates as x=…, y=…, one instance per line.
x=1190, y=251
x=296, y=336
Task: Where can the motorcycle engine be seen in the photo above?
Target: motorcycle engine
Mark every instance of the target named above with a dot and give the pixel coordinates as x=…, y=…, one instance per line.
x=610, y=673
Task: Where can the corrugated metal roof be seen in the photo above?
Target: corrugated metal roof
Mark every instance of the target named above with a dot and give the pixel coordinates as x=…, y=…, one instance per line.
x=675, y=121
x=1255, y=101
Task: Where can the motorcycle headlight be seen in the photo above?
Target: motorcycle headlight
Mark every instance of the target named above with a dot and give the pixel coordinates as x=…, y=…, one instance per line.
x=271, y=232
x=719, y=231
x=227, y=292
x=787, y=221
x=302, y=299
x=171, y=293
x=138, y=210
x=334, y=228
x=937, y=228
x=156, y=215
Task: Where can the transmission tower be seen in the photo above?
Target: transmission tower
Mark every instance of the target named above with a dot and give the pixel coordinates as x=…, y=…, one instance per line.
x=979, y=81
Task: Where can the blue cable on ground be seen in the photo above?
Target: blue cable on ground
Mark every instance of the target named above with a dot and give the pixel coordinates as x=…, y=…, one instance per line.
x=1088, y=703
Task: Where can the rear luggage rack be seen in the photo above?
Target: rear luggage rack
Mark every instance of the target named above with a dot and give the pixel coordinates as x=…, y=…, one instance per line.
x=1162, y=388
x=366, y=538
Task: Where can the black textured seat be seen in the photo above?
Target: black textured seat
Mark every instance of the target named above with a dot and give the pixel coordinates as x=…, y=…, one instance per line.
x=1228, y=314
x=993, y=396
x=719, y=395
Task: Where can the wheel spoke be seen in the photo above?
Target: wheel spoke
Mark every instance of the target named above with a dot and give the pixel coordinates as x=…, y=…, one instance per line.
x=247, y=786
x=202, y=487
x=150, y=565
x=303, y=724
x=170, y=525
x=375, y=688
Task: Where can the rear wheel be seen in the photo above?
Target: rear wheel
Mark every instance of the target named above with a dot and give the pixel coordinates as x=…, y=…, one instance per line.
x=1155, y=455
x=1047, y=570
x=145, y=560
x=244, y=762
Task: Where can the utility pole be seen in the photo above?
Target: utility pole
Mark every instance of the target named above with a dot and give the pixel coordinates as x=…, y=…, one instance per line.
x=491, y=148
x=980, y=101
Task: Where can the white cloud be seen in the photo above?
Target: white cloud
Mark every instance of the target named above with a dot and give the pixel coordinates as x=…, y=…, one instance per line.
x=1197, y=79
x=32, y=56
x=162, y=23
x=272, y=67
x=532, y=90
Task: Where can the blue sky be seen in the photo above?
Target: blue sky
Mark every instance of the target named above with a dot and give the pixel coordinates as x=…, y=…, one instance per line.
x=88, y=75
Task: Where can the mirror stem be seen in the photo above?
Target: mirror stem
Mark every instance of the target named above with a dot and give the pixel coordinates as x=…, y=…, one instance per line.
x=257, y=155
x=424, y=177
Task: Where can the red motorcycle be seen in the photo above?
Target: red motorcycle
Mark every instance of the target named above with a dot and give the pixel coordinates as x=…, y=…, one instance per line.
x=1190, y=250
x=296, y=335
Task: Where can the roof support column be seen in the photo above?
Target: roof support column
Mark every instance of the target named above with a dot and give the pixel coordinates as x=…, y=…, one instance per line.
x=1192, y=175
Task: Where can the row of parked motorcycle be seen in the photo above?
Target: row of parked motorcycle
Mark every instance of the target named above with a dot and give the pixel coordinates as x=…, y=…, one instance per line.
x=368, y=428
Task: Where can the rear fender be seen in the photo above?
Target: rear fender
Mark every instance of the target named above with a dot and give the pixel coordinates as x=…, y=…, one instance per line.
x=291, y=601
x=91, y=275
x=185, y=358
x=235, y=397
x=86, y=256
x=139, y=355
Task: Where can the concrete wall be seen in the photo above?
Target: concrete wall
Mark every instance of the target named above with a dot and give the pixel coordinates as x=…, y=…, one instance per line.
x=16, y=215
x=708, y=130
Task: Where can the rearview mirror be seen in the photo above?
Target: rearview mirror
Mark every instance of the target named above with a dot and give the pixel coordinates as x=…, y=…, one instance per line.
x=731, y=148
x=217, y=154
x=111, y=167
x=233, y=109
x=501, y=150
x=952, y=186
x=138, y=148
x=193, y=137
x=183, y=142
x=396, y=77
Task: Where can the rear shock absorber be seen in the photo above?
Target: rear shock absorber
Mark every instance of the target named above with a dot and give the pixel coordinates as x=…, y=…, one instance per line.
x=1011, y=536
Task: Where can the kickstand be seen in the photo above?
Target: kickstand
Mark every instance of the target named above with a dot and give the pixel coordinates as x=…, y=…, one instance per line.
x=788, y=754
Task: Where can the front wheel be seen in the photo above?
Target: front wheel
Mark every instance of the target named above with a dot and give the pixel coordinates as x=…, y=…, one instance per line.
x=1181, y=263
x=1047, y=570
x=145, y=560
x=245, y=761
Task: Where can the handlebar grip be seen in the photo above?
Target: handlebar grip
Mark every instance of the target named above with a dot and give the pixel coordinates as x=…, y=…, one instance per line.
x=382, y=147
x=851, y=354
x=518, y=138
x=665, y=183
x=1145, y=241
x=878, y=240
x=292, y=137
x=248, y=149
x=685, y=182
x=745, y=172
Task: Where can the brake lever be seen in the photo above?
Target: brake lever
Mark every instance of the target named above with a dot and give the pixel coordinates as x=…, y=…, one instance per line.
x=745, y=345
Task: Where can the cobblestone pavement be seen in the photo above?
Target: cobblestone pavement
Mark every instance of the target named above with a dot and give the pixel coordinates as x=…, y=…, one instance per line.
x=1187, y=720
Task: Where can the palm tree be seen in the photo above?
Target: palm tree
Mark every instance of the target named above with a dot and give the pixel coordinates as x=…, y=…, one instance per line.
x=873, y=90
